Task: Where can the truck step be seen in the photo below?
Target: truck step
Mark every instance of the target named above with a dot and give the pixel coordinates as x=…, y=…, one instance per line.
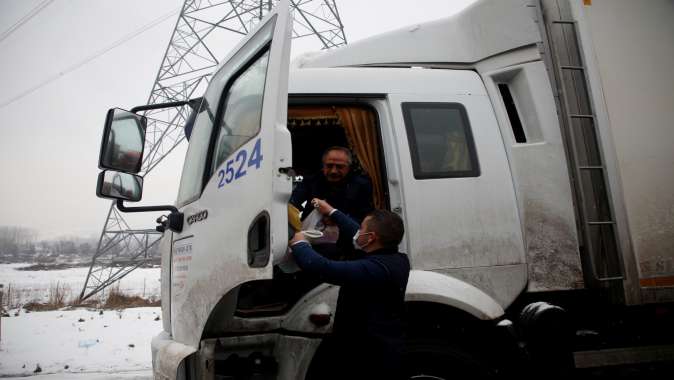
x=623, y=356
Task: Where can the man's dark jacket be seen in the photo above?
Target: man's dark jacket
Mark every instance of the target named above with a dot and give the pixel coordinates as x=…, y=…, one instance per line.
x=370, y=308
x=352, y=195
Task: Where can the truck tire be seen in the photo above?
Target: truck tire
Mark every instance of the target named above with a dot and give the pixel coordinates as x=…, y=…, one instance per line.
x=547, y=335
x=436, y=359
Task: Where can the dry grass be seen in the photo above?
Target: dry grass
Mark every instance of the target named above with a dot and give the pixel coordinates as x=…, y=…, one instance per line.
x=60, y=296
x=37, y=306
x=118, y=300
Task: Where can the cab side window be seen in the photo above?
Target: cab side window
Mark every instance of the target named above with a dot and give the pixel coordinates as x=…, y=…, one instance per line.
x=441, y=142
x=197, y=151
x=242, y=110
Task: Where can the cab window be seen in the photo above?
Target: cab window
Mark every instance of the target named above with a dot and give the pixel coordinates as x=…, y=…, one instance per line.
x=242, y=110
x=441, y=143
x=197, y=151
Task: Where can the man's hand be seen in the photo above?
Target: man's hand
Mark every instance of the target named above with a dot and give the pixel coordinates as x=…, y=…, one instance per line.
x=322, y=206
x=298, y=236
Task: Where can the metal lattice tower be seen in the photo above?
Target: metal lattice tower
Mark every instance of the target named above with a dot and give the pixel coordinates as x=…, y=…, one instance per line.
x=206, y=30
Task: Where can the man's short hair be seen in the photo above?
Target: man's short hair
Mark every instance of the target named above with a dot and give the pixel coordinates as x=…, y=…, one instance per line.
x=347, y=151
x=388, y=226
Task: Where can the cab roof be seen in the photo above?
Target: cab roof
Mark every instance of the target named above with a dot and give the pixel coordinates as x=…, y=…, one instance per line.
x=377, y=80
x=484, y=29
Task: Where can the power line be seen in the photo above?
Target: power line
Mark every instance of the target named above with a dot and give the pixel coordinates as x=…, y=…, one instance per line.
x=77, y=65
x=25, y=19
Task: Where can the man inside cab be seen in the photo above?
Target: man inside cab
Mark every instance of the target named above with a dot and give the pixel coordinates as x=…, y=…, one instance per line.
x=337, y=184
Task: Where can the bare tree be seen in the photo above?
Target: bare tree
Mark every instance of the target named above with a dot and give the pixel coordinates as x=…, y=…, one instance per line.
x=14, y=239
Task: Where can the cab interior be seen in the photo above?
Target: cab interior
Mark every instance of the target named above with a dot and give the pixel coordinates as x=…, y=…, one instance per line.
x=314, y=128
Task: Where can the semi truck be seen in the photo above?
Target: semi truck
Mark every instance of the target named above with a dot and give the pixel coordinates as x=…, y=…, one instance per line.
x=526, y=144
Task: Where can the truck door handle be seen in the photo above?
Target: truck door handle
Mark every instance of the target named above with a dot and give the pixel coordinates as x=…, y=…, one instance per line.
x=289, y=171
x=258, y=241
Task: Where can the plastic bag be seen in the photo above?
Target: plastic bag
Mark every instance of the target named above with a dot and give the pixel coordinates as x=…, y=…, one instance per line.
x=314, y=221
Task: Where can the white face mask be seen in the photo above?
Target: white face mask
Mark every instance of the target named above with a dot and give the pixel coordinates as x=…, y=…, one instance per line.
x=355, y=240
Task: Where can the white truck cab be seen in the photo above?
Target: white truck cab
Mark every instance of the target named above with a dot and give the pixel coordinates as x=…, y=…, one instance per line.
x=486, y=132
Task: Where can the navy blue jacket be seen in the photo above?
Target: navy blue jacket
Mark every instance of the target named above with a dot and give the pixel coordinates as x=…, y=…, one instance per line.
x=353, y=195
x=370, y=307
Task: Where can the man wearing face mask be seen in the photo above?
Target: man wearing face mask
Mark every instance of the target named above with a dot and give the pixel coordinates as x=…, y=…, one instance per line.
x=368, y=325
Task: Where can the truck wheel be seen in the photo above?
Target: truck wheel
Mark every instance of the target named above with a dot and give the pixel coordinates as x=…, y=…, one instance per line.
x=435, y=359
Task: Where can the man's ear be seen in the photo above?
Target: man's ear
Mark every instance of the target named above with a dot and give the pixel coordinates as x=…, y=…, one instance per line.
x=374, y=236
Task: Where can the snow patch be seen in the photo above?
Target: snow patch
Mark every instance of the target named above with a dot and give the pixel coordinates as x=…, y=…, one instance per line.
x=111, y=342
x=80, y=343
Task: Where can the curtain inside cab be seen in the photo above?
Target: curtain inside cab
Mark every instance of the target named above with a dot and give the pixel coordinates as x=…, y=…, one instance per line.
x=360, y=127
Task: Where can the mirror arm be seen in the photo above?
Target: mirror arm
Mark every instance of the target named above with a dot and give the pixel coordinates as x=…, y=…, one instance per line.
x=121, y=207
x=175, y=218
x=163, y=105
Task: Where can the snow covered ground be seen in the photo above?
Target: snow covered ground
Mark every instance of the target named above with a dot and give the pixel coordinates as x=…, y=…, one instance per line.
x=125, y=375
x=80, y=343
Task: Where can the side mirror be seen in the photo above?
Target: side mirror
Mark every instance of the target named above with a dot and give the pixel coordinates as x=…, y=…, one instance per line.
x=121, y=186
x=123, y=141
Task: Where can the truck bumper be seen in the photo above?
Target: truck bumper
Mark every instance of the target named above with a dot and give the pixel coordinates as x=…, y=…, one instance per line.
x=268, y=356
x=290, y=355
x=167, y=356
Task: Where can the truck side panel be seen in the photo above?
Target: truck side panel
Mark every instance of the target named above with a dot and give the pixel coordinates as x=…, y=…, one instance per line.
x=633, y=50
x=540, y=173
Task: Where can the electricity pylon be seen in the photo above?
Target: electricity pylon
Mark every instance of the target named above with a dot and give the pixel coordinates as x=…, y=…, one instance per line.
x=203, y=34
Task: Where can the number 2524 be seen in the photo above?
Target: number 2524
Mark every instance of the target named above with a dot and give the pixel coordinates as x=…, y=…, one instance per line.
x=237, y=167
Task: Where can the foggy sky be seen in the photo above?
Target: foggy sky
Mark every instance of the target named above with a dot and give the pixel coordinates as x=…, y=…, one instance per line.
x=50, y=138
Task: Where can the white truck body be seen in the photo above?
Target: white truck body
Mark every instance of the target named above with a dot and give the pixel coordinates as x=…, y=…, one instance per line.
x=478, y=242
x=632, y=72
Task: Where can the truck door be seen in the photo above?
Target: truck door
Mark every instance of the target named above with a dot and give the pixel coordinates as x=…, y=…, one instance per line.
x=233, y=192
x=458, y=194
